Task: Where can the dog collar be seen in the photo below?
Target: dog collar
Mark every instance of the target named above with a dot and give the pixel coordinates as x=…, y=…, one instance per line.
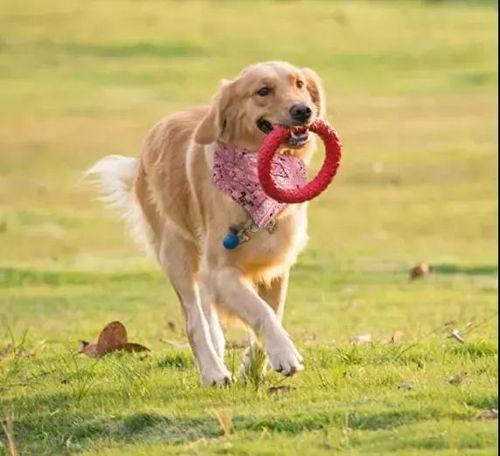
x=234, y=172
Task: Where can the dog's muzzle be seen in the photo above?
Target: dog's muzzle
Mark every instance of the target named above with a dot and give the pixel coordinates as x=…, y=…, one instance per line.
x=299, y=135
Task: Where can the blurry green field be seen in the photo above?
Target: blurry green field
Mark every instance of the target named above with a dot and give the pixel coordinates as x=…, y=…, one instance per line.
x=411, y=89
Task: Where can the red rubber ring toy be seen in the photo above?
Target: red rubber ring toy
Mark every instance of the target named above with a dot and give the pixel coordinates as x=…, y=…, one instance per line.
x=333, y=153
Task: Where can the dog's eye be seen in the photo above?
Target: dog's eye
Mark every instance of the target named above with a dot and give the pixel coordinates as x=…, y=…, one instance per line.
x=300, y=84
x=264, y=91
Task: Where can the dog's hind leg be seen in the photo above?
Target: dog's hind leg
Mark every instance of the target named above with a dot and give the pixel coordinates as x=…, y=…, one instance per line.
x=179, y=259
x=207, y=299
x=274, y=293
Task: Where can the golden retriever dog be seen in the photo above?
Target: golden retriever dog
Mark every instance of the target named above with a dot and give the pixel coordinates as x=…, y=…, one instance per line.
x=172, y=206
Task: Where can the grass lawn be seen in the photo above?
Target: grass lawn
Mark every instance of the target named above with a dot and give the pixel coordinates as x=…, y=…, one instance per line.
x=412, y=91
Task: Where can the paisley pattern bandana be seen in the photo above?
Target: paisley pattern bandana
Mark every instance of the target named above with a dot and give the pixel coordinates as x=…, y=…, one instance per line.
x=235, y=173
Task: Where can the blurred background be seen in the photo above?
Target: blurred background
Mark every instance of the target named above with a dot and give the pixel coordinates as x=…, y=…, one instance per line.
x=411, y=89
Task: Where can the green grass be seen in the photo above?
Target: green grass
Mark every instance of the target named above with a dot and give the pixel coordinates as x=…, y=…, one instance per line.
x=411, y=89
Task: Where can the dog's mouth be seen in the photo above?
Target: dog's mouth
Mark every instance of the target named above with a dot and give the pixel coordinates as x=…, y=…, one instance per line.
x=298, y=138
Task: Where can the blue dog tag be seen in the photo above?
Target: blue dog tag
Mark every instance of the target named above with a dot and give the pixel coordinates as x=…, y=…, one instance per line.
x=231, y=241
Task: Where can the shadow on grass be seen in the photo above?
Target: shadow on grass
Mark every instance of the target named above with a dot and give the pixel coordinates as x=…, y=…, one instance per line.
x=83, y=430
x=340, y=275
x=12, y=277
x=449, y=269
x=49, y=433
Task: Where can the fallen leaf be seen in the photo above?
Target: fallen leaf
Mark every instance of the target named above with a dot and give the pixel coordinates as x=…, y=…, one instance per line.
x=131, y=347
x=419, y=271
x=361, y=339
x=455, y=334
x=397, y=337
x=405, y=385
x=458, y=378
x=112, y=338
x=281, y=389
x=87, y=348
x=487, y=415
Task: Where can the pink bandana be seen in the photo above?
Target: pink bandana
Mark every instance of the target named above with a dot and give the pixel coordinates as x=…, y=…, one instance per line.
x=235, y=173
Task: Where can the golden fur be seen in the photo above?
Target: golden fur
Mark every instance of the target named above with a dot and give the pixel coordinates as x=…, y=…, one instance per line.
x=184, y=217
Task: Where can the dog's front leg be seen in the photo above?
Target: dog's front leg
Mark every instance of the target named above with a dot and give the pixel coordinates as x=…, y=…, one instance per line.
x=242, y=300
x=274, y=294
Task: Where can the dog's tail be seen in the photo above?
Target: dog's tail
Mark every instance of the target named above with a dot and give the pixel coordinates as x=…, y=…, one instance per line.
x=115, y=175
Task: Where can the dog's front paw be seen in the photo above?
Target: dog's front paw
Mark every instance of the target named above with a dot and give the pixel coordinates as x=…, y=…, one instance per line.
x=216, y=377
x=284, y=358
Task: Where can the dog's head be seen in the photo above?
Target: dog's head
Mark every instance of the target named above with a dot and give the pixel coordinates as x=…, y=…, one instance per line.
x=247, y=108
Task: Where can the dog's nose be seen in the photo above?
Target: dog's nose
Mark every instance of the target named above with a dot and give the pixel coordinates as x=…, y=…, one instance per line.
x=300, y=112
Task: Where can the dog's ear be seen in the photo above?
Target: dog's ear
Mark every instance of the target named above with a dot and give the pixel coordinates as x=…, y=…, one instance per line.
x=212, y=125
x=316, y=91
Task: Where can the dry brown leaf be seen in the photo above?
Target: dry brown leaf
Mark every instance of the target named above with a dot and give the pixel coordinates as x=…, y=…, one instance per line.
x=458, y=378
x=419, y=271
x=131, y=347
x=405, y=385
x=487, y=415
x=87, y=348
x=112, y=338
x=361, y=339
